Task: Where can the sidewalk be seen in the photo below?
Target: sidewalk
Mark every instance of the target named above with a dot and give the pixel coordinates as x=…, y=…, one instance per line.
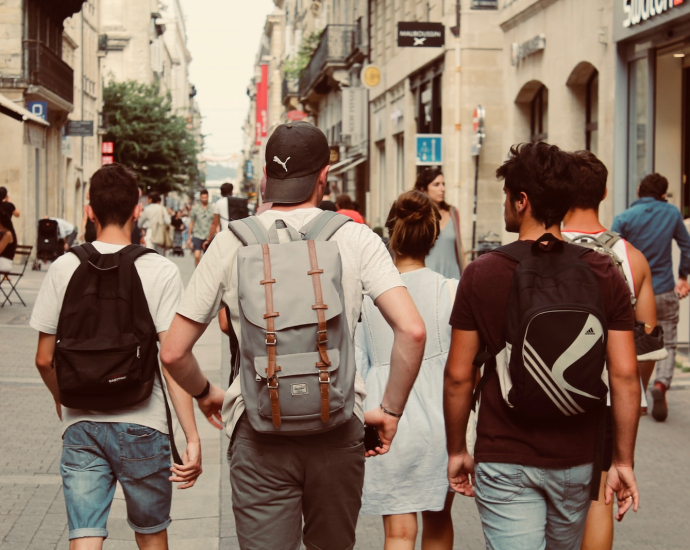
x=32, y=511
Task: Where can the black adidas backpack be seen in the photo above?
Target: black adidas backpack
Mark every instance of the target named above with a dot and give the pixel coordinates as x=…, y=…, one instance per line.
x=556, y=333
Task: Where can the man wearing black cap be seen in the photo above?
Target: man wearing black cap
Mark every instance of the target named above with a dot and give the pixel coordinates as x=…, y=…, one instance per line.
x=277, y=482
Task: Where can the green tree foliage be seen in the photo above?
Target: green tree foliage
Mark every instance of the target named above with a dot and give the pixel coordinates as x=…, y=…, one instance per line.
x=149, y=137
x=293, y=68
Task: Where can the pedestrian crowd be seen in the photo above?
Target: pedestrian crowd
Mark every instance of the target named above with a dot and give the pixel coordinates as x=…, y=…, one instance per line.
x=369, y=377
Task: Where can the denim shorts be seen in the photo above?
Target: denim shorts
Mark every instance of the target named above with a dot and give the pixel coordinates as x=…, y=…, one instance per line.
x=97, y=454
x=197, y=243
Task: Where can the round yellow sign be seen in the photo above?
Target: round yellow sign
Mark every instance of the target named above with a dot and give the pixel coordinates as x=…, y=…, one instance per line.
x=371, y=76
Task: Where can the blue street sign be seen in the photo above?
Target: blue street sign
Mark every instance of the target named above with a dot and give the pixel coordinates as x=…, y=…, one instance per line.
x=429, y=149
x=250, y=169
x=39, y=108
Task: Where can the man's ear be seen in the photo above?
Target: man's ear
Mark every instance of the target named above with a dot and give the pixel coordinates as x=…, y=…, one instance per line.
x=606, y=194
x=137, y=212
x=323, y=175
x=522, y=202
x=90, y=213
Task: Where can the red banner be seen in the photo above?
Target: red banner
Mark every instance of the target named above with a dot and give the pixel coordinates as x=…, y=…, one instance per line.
x=262, y=105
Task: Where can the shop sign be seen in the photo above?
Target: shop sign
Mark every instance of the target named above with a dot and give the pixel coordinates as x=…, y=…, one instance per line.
x=417, y=34
x=107, y=159
x=296, y=116
x=107, y=148
x=262, y=105
x=39, y=108
x=429, y=149
x=638, y=11
x=335, y=154
x=80, y=128
x=371, y=76
x=519, y=52
x=249, y=169
x=484, y=5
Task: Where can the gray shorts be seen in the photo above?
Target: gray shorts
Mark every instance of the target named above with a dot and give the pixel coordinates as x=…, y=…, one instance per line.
x=278, y=479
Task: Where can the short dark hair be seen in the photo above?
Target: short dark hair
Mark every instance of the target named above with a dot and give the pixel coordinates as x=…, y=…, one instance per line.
x=226, y=190
x=155, y=196
x=3, y=193
x=113, y=194
x=413, y=224
x=654, y=185
x=203, y=192
x=590, y=175
x=544, y=173
x=344, y=202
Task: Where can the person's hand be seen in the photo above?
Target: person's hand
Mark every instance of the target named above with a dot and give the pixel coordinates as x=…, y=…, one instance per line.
x=211, y=406
x=386, y=425
x=682, y=288
x=461, y=474
x=621, y=480
x=205, y=244
x=190, y=469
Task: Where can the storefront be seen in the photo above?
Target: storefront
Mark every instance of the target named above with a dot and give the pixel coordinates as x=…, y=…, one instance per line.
x=652, y=128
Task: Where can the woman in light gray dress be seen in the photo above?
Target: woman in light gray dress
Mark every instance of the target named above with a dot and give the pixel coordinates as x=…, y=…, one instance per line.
x=412, y=476
x=447, y=256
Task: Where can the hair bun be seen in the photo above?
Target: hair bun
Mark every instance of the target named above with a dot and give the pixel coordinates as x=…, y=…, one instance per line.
x=413, y=224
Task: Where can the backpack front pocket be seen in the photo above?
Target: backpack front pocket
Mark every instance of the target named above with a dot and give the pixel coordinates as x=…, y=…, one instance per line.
x=299, y=388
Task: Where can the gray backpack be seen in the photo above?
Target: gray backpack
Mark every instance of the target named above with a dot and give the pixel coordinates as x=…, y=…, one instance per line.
x=296, y=352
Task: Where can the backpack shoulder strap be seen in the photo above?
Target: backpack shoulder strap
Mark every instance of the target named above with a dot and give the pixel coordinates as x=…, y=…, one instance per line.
x=517, y=251
x=608, y=238
x=80, y=252
x=324, y=226
x=134, y=251
x=249, y=231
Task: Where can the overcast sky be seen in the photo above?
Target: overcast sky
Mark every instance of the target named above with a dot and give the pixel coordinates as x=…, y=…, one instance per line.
x=223, y=37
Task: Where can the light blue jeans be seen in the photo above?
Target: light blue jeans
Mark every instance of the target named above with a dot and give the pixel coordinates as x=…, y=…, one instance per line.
x=527, y=508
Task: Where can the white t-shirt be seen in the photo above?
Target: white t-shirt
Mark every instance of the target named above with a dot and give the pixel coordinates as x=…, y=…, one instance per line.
x=64, y=227
x=221, y=208
x=163, y=288
x=368, y=270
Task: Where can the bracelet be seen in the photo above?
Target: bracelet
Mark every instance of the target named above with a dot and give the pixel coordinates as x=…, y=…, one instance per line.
x=391, y=413
x=204, y=393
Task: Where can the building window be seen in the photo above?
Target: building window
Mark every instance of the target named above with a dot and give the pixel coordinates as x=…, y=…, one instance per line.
x=429, y=114
x=638, y=164
x=592, y=114
x=539, y=115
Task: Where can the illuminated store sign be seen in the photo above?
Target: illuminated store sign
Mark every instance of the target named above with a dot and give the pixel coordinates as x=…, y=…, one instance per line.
x=638, y=11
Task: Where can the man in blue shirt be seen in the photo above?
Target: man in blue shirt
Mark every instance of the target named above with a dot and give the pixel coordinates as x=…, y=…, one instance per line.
x=650, y=225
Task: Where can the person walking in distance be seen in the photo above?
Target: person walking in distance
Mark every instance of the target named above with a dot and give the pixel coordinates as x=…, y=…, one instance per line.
x=100, y=363
x=297, y=401
x=412, y=477
x=539, y=434
x=346, y=207
x=447, y=255
x=226, y=209
x=581, y=225
x=155, y=219
x=200, y=219
x=650, y=225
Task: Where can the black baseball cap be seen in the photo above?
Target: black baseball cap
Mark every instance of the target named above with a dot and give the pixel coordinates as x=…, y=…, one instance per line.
x=295, y=153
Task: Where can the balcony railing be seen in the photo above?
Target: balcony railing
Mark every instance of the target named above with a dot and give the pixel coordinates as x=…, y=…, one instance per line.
x=290, y=88
x=333, y=49
x=45, y=68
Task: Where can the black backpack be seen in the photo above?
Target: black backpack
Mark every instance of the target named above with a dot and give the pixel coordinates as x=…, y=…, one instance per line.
x=106, y=352
x=556, y=336
x=238, y=208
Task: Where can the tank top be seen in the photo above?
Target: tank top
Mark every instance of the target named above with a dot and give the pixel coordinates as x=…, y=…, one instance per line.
x=619, y=247
x=10, y=248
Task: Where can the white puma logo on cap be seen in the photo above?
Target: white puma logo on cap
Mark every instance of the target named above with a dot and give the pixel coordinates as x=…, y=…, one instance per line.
x=276, y=159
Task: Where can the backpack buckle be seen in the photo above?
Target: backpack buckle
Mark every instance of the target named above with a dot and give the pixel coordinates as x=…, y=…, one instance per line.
x=274, y=338
x=273, y=378
x=322, y=337
x=328, y=377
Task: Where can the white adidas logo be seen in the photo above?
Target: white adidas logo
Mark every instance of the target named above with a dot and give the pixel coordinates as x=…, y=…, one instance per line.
x=590, y=332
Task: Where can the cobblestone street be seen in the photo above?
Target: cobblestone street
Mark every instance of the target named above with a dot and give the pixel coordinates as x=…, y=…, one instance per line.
x=32, y=511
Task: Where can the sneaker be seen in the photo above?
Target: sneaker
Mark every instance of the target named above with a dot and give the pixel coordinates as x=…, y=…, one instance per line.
x=649, y=347
x=659, y=407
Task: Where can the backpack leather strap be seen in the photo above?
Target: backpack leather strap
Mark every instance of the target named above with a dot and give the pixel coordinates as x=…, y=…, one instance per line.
x=271, y=339
x=322, y=335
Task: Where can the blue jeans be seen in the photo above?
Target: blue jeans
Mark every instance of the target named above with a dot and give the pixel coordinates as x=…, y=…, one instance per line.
x=97, y=454
x=528, y=508
x=667, y=314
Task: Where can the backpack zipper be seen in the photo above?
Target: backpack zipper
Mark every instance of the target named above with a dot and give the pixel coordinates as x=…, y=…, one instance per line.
x=138, y=350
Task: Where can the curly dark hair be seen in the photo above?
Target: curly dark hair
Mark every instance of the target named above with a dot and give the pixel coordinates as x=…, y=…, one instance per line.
x=425, y=177
x=654, y=185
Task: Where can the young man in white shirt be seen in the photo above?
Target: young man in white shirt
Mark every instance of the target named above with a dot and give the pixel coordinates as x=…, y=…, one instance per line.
x=271, y=496
x=154, y=220
x=127, y=445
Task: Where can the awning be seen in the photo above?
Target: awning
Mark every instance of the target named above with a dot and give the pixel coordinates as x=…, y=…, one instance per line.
x=17, y=112
x=345, y=165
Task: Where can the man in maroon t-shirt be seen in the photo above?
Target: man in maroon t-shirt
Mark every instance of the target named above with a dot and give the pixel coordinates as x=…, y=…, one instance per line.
x=532, y=477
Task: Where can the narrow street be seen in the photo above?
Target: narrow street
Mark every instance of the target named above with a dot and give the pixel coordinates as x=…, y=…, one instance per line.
x=32, y=511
